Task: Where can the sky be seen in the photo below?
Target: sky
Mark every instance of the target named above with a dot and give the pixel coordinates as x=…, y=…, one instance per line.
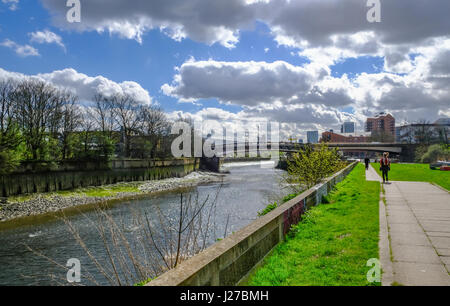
x=307, y=64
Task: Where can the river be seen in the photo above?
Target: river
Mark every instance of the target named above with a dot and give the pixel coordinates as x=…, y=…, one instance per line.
x=246, y=189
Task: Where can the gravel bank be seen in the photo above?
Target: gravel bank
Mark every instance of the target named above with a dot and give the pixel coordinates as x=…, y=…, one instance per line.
x=41, y=203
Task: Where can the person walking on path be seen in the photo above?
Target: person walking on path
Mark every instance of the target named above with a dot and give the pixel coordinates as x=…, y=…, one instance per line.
x=367, y=161
x=385, y=167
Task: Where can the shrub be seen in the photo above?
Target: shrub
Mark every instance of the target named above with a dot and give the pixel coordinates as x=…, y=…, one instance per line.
x=436, y=152
x=309, y=167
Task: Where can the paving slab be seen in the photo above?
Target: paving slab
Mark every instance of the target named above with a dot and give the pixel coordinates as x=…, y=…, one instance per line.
x=418, y=274
x=406, y=238
x=440, y=242
x=415, y=253
x=443, y=252
x=418, y=222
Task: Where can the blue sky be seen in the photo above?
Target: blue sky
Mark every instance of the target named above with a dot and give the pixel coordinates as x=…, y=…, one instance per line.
x=151, y=63
x=342, y=75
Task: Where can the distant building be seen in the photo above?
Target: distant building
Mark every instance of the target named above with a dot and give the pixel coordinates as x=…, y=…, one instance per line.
x=330, y=137
x=397, y=134
x=348, y=127
x=443, y=121
x=437, y=132
x=312, y=136
x=381, y=123
x=300, y=140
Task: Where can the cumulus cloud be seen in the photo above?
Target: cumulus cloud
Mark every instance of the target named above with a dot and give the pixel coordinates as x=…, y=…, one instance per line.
x=85, y=87
x=309, y=94
x=207, y=21
x=413, y=38
x=244, y=83
x=303, y=24
x=46, y=37
x=21, y=50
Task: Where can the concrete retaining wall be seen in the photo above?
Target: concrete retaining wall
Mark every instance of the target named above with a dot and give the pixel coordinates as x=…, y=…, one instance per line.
x=229, y=261
x=67, y=175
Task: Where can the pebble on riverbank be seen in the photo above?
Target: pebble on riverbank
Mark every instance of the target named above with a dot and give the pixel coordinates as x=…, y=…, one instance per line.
x=41, y=203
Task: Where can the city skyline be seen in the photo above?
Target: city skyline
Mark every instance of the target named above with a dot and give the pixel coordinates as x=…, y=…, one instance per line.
x=250, y=60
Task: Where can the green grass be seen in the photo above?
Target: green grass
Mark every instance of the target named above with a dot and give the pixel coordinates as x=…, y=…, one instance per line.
x=274, y=205
x=101, y=192
x=417, y=173
x=332, y=244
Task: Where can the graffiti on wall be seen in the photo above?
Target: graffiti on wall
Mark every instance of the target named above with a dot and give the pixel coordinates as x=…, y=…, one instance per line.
x=293, y=216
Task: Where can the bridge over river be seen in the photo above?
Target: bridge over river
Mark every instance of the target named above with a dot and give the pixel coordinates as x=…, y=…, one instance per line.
x=405, y=152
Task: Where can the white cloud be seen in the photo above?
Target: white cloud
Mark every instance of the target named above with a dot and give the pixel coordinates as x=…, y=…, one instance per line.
x=85, y=87
x=46, y=37
x=244, y=83
x=310, y=95
x=207, y=21
x=21, y=50
x=13, y=4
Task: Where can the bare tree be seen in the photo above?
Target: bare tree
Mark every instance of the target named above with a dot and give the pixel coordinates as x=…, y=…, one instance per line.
x=105, y=117
x=154, y=125
x=71, y=121
x=38, y=111
x=423, y=133
x=7, y=88
x=126, y=110
x=104, y=114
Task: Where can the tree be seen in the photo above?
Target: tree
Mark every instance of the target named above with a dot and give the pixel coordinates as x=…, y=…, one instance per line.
x=382, y=136
x=309, y=167
x=37, y=111
x=436, y=152
x=105, y=117
x=154, y=126
x=423, y=133
x=11, y=149
x=71, y=120
x=7, y=89
x=126, y=111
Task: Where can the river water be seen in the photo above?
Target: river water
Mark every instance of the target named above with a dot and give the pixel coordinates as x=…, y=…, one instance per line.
x=247, y=189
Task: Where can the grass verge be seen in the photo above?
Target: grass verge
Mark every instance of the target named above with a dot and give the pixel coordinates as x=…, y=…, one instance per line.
x=332, y=244
x=417, y=173
x=100, y=192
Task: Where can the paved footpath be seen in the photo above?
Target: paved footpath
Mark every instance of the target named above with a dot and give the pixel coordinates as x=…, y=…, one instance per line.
x=415, y=230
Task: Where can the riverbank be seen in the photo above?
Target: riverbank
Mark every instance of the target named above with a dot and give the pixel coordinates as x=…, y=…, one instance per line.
x=36, y=204
x=333, y=242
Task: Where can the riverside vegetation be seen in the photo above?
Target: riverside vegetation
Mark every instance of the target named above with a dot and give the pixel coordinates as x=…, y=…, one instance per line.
x=307, y=168
x=332, y=243
x=40, y=123
x=34, y=204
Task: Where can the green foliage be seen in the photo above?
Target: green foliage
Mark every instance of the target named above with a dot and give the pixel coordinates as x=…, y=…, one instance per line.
x=309, y=167
x=11, y=149
x=331, y=245
x=436, y=152
x=89, y=145
x=420, y=152
x=417, y=173
x=274, y=205
x=8, y=162
x=145, y=282
x=326, y=199
x=290, y=197
x=268, y=209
